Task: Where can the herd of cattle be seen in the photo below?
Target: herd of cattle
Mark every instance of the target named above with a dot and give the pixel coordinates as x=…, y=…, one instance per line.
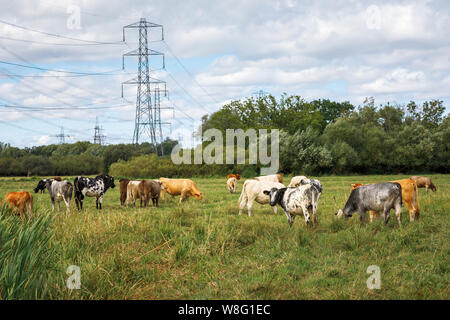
x=300, y=197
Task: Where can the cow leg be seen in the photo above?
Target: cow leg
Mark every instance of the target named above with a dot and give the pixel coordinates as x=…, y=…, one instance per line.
x=53, y=204
x=67, y=205
x=100, y=199
x=249, y=206
x=362, y=216
x=305, y=214
x=398, y=213
x=387, y=215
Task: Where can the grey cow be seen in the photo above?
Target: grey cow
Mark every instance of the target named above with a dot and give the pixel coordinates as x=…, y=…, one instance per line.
x=378, y=197
x=60, y=190
x=303, y=199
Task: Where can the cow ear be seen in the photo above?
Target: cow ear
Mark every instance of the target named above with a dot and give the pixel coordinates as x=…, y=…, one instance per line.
x=267, y=192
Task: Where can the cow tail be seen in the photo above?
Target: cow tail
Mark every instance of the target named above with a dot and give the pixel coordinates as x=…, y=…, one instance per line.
x=243, y=193
x=69, y=191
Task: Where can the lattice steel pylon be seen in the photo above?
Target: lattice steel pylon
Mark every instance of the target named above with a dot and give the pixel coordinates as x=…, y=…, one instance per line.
x=98, y=136
x=148, y=112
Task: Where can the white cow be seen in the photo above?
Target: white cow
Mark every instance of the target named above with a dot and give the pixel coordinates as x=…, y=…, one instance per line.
x=273, y=177
x=232, y=184
x=253, y=190
x=295, y=181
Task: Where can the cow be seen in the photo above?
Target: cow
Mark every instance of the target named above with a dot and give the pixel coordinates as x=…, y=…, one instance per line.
x=123, y=190
x=132, y=191
x=149, y=189
x=232, y=184
x=19, y=202
x=183, y=187
x=303, y=199
x=410, y=198
x=253, y=190
x=424, y=182
x=92, y=187
x=273, y=177
x=378, y=197
x=60, y=190
x=295, y=181
x=41, y=184
x=231, y=175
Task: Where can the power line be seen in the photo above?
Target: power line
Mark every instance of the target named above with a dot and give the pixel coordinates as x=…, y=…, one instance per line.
x=188, y=72
x=58, y=35
x=54, y=70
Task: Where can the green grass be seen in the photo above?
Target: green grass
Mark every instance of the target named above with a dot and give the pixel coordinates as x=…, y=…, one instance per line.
x=204, y=250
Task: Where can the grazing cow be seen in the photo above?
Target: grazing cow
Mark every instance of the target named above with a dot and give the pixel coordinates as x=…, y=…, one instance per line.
x=424, y=182
x=231, y=175
x=149, y=189
x=253, y=190
x=303, y=199
x=183, y=187
x=92, y=187
x=273, y=177
x=132, y=191
x=123, y=190
x=232, y=184
x=60, y=190
x=19, y=202
x=295, y=181
x=410, y=198
x=375, y=197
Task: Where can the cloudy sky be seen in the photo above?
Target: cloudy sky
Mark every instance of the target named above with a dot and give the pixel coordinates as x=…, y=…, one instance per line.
x=216, y=51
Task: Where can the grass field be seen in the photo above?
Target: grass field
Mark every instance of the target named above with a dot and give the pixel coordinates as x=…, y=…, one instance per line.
x=204, y=250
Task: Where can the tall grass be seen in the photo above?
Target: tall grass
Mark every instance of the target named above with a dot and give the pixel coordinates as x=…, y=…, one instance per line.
x=24, y=255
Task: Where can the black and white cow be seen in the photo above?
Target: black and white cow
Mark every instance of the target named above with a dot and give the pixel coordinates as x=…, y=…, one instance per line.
x=378, y=197
x=59, y=190
x=92, y=187
x=303, y=199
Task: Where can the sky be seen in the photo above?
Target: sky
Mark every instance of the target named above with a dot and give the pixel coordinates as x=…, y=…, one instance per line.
x=215, y=52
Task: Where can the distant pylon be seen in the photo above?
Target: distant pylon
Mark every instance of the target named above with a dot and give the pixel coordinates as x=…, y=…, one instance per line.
x=148, y=114
x=98, y=136
x=61, y=136
x=261, y=93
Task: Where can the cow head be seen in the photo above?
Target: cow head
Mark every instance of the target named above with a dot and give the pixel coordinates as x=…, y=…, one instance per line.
x=238, y=176
x=198, y=195
x=108, y=181
x=40, y=186
x=275, y=195
x=341, y=213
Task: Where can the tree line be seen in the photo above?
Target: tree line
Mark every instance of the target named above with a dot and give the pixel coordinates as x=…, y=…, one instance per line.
x=316, y=137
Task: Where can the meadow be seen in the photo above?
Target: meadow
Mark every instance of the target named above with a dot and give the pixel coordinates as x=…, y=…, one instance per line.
x=201, y=249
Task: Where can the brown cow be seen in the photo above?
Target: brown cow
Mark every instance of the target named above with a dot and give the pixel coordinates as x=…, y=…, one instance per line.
x=231, y=175
x=149, y=189
x=183, y=187
x=424, y=182
x=410, y=199
x=19, y=202
x=57, y=178
x=123, y=190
